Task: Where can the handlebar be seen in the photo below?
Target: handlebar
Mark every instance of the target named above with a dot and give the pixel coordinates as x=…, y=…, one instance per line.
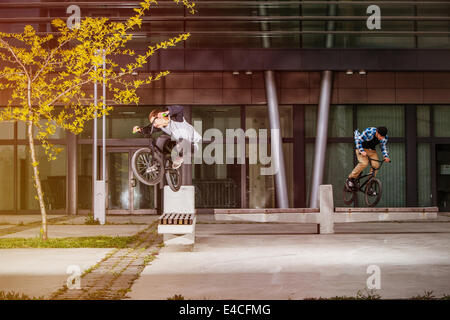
x=380, y=161
x=375, y=159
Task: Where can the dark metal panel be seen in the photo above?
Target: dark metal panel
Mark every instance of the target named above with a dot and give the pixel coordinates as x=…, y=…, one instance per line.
x=399, y=59
x=243, y=59
x=411, y=155
x=206, y=60
x=305, y=59
x=320, y=59
x=172, y=59
x=438, y=60
x=358, y=59
x=283, y=60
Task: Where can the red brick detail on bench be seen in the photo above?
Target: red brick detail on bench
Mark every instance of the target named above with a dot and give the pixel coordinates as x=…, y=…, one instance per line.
x=176, y=218
x=387, y=210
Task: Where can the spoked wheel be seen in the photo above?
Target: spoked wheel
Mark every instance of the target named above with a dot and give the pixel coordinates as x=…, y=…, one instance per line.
x=148, y=169
x=348, y=196
x=173, y=176
x=373, y=192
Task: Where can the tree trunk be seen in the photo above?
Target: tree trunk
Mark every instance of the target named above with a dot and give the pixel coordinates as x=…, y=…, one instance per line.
x=37, y=181
x=34, y=164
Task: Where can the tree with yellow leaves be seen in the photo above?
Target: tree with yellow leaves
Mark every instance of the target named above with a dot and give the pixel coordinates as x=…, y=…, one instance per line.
x=47, y=75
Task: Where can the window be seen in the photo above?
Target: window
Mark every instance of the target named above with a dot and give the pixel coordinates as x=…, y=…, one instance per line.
x=53, y=179
x=423, y=121
x=6, y=178
x=441, y=121
x=390, y=116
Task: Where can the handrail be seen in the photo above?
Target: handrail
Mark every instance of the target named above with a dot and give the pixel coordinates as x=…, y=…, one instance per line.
x=239, y=18
x=278, y=33
x=134, y=4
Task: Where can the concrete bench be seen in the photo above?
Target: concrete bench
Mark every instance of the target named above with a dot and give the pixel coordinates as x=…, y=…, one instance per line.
x=177, y=228
x=177, y=223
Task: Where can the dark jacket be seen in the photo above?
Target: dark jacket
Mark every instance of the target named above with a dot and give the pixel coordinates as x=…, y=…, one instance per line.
x=176, y=114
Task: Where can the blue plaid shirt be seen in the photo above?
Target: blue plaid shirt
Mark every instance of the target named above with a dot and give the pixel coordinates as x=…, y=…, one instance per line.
x=368, y=135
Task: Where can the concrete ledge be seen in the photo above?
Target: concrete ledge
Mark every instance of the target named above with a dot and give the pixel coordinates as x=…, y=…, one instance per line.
x=265, y=210
x=295, y=217
x=327, y=215
x=361, y=216
x=392, y=209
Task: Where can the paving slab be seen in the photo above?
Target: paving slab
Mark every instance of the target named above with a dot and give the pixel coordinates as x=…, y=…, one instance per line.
x=63, y=231
x=19, y=218
x=40, y=272
x=283, y=261
x=113, y=219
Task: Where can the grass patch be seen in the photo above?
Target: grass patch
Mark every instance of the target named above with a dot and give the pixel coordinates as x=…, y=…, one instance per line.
x=17, y=296
x=176, y=297
x=89, y=220
x=371, y=295
x=74, y=242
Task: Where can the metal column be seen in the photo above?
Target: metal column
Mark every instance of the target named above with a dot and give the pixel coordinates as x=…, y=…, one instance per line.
x=72, y=192
x=99, y=186
x=94, y=148
x=274, y=121
x=275, y=140
x=326, y=87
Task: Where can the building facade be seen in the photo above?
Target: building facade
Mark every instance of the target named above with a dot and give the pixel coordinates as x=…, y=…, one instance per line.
x=329, y=69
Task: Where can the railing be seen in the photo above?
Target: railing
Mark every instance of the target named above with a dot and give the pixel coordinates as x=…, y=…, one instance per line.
x=290, y=24
x=220, y=193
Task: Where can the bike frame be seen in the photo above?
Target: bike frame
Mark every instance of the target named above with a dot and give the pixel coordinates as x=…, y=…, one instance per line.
x=153, y=147
x=371, y=175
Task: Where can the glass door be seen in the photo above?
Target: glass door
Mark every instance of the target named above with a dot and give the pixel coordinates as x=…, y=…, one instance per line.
x=443, y=176
x=125, y=194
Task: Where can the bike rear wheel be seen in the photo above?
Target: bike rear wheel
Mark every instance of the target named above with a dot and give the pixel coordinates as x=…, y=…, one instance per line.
x=173, y=176
x=348, y=196
x=148, y=169
x=373, y=192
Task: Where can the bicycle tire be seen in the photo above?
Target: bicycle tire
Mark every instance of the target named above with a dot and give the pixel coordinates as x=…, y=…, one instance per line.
x=174, y=177
x=372, y=200
x=345, y=196
x=144, y=154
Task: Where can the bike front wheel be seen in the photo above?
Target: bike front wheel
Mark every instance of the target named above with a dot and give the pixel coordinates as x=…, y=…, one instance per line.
x=348, y=196
x=373, y=192
x=147, y=167
x=173, y=176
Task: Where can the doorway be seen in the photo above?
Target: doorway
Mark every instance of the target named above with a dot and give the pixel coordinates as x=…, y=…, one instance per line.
x=443, y=176
x=124, y=193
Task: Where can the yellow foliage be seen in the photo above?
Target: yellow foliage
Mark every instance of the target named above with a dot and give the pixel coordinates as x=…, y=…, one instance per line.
x=43, y=76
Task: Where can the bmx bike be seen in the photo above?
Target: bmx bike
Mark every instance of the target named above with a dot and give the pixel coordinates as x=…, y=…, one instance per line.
x=371, y=187
x=150, y=164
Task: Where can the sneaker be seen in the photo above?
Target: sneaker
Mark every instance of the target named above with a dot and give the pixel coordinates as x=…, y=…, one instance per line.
x=177, y=162
x=350, y=183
